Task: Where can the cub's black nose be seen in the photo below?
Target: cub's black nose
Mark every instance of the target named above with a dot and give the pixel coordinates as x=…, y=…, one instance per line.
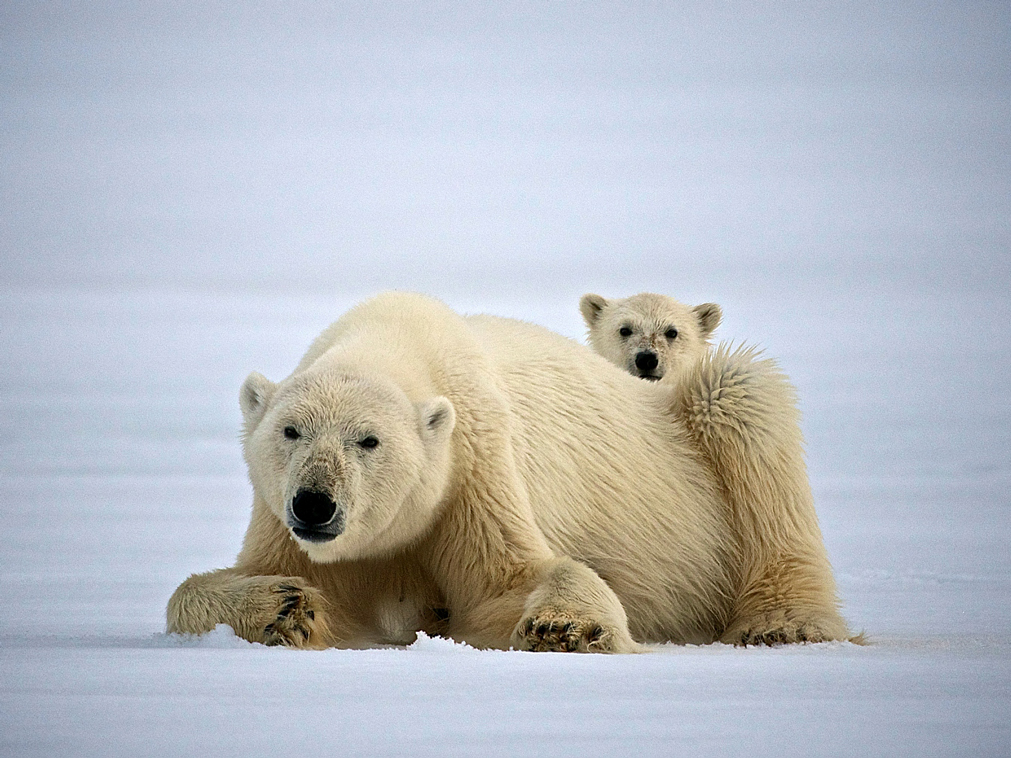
x=646, y=361
x=313, y=508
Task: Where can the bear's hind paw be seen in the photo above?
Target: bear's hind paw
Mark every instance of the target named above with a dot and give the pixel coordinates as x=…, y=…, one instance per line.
x=781, y=635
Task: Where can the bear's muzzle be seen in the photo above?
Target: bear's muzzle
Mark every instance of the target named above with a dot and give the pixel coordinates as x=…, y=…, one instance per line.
x=314, y=516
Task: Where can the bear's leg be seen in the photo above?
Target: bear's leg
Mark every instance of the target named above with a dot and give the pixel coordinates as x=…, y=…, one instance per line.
x=572, y=610
x=506, y=588
x=789, y=599
x=743, y=414
x=274, y=610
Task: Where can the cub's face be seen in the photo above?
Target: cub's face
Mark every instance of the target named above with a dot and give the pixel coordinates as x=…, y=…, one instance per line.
x=649, y=336
x=348, y=464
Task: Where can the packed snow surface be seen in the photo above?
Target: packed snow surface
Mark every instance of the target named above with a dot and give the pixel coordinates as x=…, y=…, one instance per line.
x=192, y=192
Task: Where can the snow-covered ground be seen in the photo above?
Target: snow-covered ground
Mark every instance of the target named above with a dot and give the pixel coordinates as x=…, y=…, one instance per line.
x=190, y=194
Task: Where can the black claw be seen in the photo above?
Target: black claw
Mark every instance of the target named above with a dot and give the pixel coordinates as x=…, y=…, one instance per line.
x=287, y=588
x=311, y=614
x=595, y=633
x=528, y=627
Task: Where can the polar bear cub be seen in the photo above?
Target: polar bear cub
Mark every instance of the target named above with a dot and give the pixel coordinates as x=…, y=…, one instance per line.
x=741, y=411
x=650, y=336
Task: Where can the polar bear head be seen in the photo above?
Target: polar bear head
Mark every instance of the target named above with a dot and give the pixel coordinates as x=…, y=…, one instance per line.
x=650, y=336
x=347, y=462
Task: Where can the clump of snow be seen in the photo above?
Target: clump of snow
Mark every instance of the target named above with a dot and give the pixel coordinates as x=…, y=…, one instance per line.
x=221, y=637
x=426, y=644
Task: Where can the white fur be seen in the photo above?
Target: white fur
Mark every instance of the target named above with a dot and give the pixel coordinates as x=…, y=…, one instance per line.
x=541, y=497
x=649, y=325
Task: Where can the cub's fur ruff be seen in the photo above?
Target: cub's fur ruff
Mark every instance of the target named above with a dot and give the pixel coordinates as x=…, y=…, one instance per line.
x=742, y=410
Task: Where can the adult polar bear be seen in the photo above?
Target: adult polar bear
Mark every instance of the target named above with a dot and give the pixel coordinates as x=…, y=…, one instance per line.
x=490, y=480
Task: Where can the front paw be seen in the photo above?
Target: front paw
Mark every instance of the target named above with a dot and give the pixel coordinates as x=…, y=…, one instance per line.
x=298, y=620
x=554, y=633
x=572, y=610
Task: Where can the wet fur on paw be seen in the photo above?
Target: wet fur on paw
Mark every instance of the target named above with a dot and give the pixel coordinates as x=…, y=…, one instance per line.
x=779, y=634
x=562, y=635
x=295, y=623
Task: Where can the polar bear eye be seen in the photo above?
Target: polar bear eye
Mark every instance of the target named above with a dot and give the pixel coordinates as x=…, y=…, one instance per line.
x=291, y=433
x=368, y=442
x=671, y=333
x=625, y=331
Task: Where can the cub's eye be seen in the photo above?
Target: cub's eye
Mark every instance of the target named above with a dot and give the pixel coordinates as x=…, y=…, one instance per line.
x=291, y=433
x=368, y=442
x=625, y=331
x=671, y=333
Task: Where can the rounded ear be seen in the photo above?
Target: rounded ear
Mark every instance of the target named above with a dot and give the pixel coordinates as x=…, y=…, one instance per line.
x=437, y=419
x=253, y=398
x=591, y=306
x=709, y=316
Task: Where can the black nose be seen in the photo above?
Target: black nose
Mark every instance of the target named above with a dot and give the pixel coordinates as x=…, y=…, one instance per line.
x=313, y=508
x=646, y=361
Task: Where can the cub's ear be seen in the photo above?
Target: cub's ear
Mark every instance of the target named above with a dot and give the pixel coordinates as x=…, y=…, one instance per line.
x=591, y=306
x=709, y=316
x=253, y=398
x=437, y=419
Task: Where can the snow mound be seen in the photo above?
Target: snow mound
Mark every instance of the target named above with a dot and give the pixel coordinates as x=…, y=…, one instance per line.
x=427, y=644
x=221, y=637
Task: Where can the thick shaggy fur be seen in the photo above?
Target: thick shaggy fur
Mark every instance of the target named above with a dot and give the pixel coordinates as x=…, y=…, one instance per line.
x=743, y=413
x=650, y=336
x=500, y=484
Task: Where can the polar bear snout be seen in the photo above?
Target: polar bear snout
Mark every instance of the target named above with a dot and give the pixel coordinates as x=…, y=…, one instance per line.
x=314, y=516
x=646, y=362
x=313, y=508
